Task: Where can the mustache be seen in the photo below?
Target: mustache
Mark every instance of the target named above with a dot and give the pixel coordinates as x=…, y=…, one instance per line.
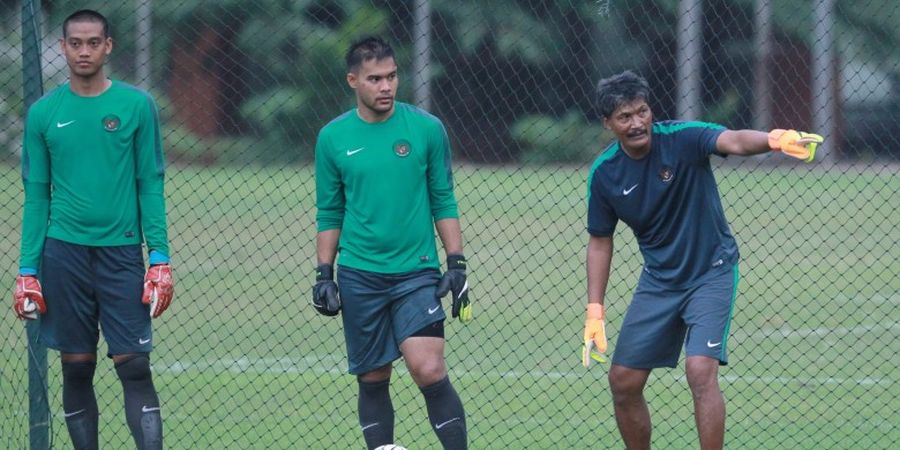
x=637, y=133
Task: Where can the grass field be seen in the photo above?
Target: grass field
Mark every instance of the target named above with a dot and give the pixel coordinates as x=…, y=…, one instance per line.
x=241, y=361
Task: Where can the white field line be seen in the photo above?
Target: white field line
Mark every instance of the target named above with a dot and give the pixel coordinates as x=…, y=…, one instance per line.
x=876, y=299
x=533, y=420
x=788, y=332
x=329, y=366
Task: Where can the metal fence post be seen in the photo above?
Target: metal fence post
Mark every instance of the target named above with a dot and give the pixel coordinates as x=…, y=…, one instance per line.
x=32, y=85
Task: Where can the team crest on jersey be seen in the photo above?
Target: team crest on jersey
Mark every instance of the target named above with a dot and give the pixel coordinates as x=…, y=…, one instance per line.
x=402, y=148
x=111, y=122
x=666, y=174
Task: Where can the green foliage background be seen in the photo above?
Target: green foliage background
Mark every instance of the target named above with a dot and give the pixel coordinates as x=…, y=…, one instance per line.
x=242, y=361
x=287, y=57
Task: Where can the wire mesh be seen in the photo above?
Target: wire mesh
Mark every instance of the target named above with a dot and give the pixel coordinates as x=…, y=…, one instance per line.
x=242, y=361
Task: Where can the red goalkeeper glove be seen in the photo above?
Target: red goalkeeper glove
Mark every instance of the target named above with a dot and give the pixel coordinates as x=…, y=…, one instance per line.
x=28, y=299
x=158, y=289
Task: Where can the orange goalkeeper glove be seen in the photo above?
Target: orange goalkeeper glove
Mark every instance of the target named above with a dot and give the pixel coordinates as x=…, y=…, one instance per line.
x=594, y=335
x=799, y=144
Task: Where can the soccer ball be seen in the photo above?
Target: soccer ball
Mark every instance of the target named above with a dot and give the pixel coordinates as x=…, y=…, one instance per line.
x=390, y=447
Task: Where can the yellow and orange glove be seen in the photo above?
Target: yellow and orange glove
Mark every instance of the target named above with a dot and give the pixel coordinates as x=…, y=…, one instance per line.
x=594, y=335
x=799, y=144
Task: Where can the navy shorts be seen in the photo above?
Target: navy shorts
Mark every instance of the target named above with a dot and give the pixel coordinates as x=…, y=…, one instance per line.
x=381, y=310
x=660, y=319
x=88, y=289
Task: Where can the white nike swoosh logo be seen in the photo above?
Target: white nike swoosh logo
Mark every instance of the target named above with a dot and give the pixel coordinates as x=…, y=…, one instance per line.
x=711, y=345
x=628, y=191
x=441, y=425
x=433, y=310
x=143, y=341
x=369, y=426
x=353, y=152
x=146, y=409
x=64, y=124
x=464, y=289
x=67, y=415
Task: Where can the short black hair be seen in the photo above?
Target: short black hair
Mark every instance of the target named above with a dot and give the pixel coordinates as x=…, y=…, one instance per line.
x=367, y=49
x=86, y=15
x=619, y=89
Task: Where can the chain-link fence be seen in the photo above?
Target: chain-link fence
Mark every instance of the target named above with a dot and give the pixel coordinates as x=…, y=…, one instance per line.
x=242, y=361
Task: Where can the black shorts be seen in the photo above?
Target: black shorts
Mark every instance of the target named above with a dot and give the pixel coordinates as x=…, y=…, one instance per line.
x=380, y=311
x=88, y=289
x=660, y=319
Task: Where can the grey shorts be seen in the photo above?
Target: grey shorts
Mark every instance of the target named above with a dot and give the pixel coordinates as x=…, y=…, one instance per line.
x=660, y=319
x=381, y=310
x=88, y=289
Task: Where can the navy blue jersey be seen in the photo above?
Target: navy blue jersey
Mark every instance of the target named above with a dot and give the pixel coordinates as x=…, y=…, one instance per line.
x=669, y=199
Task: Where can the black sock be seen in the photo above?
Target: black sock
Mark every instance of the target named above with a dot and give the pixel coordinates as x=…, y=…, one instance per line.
x=141, y=403
x=445, y=410
x=80, y=404
x=376, y=413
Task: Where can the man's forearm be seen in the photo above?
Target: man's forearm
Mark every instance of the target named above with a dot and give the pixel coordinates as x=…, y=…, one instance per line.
x=450, y=233
x=599, y=259
x=326, y=245
x=35, y=213
x=152, y=207
x=743, y=142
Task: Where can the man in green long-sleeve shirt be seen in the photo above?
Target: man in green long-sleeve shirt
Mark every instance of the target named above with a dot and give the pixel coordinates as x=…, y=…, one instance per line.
x=383, y=184
x=92, y=167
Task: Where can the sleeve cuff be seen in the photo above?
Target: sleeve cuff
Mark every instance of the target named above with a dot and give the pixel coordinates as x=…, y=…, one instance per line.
x=27, y=271
x=158, y=258
x=448, y=213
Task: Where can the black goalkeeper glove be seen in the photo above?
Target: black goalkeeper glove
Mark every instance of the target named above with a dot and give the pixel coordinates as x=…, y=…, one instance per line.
x=326, y=299
x=454, y=280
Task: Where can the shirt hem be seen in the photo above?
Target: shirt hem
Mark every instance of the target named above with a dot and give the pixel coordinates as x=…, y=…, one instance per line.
x=94, y=242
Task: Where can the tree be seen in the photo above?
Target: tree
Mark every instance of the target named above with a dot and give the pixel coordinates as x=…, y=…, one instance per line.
x=507, y=60
x=283, y=62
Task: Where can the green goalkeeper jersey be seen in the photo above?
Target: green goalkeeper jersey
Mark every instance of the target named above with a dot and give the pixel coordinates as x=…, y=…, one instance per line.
x=93, y=171
x=383, y=185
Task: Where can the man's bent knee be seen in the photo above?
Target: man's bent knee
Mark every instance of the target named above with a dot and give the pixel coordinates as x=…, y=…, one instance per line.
x=132, y=367
x=429, y=371
x=374, y=376
x=627, y=382
x=424, y=357
x=702, y=373
x=77, y=357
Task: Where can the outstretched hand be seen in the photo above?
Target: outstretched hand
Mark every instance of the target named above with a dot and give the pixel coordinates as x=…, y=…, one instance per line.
x=798, y=144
